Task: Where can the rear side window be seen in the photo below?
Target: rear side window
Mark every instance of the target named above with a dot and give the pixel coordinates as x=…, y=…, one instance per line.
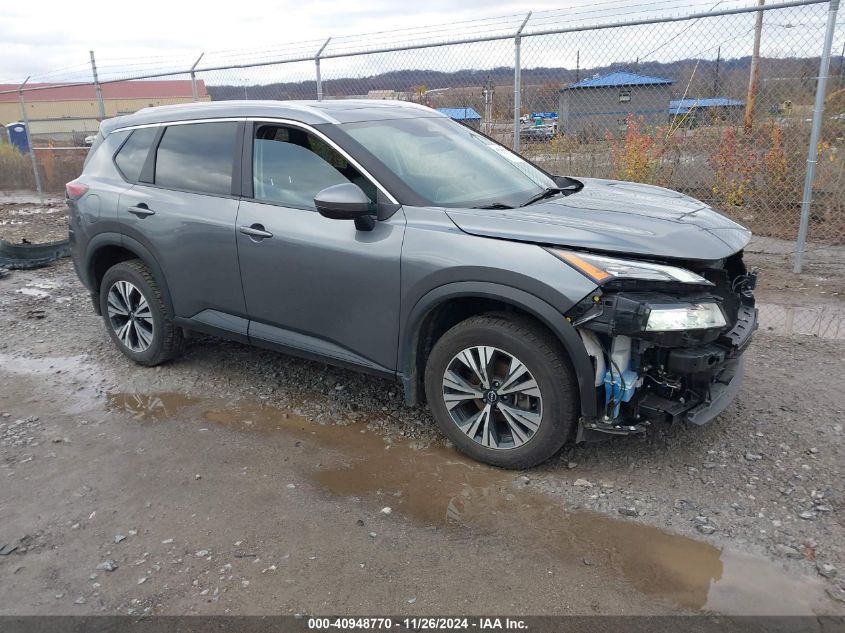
x=197, y=157
x=94, y=147
x=131, y=157
x=99, y=161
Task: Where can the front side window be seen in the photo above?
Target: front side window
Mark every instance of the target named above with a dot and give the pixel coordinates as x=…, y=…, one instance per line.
x=448, y=164
x=131, y=157
x=290, y=166
x=197, y=157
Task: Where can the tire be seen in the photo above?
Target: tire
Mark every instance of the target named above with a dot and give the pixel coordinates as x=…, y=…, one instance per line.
x=550, y=411
x=152, y=338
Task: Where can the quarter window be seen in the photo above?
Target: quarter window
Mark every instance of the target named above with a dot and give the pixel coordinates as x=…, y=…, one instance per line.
x=131, y=157
x=197, y=157
x=290, y=166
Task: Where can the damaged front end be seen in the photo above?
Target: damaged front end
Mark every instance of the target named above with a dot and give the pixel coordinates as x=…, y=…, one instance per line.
x=666, y=342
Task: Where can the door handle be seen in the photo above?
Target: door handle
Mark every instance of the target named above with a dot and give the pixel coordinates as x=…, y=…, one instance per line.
x=256, y=232
x=141, y=210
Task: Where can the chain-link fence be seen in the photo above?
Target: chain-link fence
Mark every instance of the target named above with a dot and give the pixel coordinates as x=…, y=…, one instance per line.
x=718, y=104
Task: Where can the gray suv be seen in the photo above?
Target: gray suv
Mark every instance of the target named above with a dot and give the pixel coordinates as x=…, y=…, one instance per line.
x=527, y=309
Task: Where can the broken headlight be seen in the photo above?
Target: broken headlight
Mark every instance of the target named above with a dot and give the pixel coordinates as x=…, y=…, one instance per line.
x=691, y=316
x=600, y=268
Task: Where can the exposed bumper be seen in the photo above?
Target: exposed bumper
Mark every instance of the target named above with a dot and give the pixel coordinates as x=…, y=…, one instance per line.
x=725, y=376
x=723, y=391
x=712, y=374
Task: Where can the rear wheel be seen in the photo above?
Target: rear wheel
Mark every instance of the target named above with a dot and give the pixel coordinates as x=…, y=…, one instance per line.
x=502, y=390
x=136, y=315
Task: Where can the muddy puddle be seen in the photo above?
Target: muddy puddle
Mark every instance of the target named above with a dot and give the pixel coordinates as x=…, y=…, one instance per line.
x=143, y=406
x=438, y=487
x=73, y=372
x=822, y=320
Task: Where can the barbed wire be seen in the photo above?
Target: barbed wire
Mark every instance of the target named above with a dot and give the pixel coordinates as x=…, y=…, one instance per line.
x=114, y=68
x=110, y=71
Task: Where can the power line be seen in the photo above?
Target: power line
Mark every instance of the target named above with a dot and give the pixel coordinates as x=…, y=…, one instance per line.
x=112, y=70
x=430, y=31
x=679, y=33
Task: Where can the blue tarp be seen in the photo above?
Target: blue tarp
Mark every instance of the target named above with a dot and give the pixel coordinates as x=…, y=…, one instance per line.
x=460, y=114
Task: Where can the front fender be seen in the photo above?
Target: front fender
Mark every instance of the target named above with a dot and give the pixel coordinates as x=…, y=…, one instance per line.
x=540, y=309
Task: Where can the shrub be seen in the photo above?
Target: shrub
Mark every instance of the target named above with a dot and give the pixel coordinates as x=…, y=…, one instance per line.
x=776, y=174
x=638, y=156
x=15, y=169
x=734, y=162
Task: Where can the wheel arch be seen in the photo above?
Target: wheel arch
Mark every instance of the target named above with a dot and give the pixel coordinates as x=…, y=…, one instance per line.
x=471, y=298
x=107, y=249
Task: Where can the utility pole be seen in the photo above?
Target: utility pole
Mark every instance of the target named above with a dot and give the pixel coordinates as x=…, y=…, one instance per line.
x=487, y=91
x=100, y=104
x=716, y=77
x=754, y=75
x=577, y=65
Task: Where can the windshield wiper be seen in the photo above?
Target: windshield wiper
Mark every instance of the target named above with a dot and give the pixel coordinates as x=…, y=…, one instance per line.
x=495, y=205
x=547, y=193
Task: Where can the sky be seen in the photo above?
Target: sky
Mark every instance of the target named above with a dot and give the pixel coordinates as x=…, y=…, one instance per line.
x=50, y=39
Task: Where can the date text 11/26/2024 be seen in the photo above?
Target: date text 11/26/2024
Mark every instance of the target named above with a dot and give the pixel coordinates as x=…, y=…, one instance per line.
x=417, y=624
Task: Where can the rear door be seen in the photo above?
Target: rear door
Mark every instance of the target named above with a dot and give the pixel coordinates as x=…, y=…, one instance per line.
x=183, y=210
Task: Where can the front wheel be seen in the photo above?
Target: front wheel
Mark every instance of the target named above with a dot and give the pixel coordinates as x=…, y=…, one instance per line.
x=502, y=390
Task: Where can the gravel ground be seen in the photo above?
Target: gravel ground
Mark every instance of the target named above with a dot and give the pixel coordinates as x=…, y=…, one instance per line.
x=822, y=280
x=761, y=488
x=24, y=218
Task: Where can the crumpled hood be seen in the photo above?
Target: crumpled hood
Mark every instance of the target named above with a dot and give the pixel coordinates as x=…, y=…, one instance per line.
x=615, y=217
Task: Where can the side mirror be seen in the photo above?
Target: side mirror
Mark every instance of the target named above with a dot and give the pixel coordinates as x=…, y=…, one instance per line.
x=342, y=202
x=567, y=183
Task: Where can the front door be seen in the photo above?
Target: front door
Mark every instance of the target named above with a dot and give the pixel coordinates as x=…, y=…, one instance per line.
x=311, y=283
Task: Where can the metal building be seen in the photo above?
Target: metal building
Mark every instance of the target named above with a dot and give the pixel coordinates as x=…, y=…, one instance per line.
x=603, y=103
x=69, y=113
x=694, y=112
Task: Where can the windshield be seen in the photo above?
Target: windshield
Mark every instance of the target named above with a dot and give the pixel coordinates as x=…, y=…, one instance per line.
x=448, y=164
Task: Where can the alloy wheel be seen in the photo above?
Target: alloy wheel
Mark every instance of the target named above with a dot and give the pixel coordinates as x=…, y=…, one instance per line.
x=130, y=316
x=492, y=397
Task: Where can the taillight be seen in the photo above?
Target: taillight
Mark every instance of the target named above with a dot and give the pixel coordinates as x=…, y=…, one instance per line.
x=75, y=190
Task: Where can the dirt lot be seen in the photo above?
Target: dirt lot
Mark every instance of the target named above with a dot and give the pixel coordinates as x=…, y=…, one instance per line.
x=24, y=218
x=244, y=481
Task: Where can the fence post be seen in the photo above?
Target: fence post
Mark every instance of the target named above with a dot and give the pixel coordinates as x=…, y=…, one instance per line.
x=31, y=144
x=813, y=150
x=517, y=81
x=194, y=92
x=317, y=69
x=100, y=104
